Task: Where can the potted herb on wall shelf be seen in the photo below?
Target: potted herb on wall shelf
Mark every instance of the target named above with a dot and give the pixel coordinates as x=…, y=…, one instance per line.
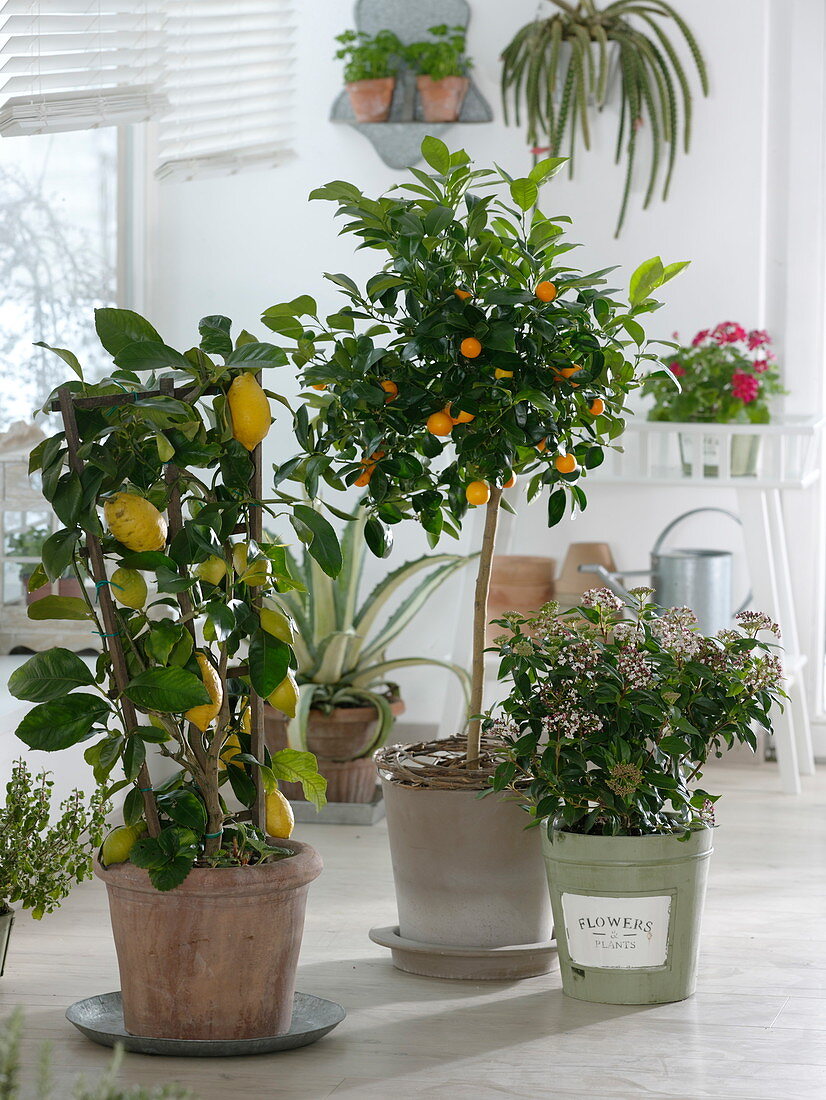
x=157, y=472
x=348, y=701
x=555, y=73
x=610, y=720
x=371, y=63
x=397, y=137
x=474, y=353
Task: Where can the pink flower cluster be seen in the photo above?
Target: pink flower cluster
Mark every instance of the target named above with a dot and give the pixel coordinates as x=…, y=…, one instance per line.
x=729, y=332
x=745, y=387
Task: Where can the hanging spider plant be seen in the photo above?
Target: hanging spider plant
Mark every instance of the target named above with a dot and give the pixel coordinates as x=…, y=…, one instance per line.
x=341, y=641
x=557, y=69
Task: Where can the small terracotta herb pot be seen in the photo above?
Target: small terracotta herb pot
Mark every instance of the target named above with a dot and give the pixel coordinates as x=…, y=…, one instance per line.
x=371, y=99
x=216, y=957
x=442, y=99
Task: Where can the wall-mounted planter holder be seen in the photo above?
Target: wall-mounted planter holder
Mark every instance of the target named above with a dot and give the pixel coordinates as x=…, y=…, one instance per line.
x=398, y=140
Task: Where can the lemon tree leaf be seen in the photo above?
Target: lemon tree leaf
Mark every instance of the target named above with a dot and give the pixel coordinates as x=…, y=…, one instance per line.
x=62, y=722
x=58, y=607
x=167, y=690
x=294, y=766
x=50, y=675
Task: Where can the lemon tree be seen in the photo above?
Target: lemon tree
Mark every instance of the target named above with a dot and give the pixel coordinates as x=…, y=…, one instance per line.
x=153, y=479
x=475, y=353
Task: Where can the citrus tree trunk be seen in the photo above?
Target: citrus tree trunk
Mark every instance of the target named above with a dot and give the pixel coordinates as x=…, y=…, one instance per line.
x=480, y=623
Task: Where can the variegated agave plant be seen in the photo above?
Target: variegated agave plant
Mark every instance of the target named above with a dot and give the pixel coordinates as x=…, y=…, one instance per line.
x=341, y=641
x=557, y=69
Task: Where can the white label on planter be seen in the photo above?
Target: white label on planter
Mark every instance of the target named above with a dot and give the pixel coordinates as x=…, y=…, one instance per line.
x=623, y=933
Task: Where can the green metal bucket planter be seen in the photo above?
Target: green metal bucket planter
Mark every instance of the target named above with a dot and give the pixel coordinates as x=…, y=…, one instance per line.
x=627, y=912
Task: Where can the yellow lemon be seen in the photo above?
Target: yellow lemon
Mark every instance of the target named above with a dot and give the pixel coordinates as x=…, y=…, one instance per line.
x=253, y=573
x=232, y=746
x=205, y=714
x=249, y=407
x=213, y=570
x=246, y=720
x=135, y=522
x=280, y=818
x=120, y=842
x=277, y=624
x=128, y=588
x=285, y=696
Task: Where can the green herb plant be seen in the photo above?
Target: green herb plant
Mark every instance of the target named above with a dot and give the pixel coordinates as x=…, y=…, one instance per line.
x=556, y=70
x=473, y=354
x=183, y=652
x=613, y=712
x=444, y=55
x=41, y=859
x=369, y=57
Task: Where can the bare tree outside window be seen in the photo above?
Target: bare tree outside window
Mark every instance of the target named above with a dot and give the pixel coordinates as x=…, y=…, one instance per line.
x=58, y=238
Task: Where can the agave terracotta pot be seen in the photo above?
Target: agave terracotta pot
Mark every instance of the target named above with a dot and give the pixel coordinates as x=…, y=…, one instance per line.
x=216, y=957
x=442, y=100
x=371, y=100
x=519, y=583
x=337, y=739
x=470, y=886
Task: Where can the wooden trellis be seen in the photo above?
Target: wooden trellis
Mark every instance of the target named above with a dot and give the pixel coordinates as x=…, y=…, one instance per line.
x=67, y=404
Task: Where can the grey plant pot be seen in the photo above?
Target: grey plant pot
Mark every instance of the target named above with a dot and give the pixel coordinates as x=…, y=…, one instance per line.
x=470, y=886
x=6, y=923
x=627, y=914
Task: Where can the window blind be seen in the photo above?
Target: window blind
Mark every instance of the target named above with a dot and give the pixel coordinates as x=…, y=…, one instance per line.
x=228, y=76
x=76, y=64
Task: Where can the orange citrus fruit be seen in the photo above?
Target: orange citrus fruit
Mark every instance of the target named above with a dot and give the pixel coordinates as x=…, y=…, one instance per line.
x=597, y=407
x=320, y=386
x=364, y=477
x=542, y=444
x=391, y=389
x=545, y=291
x=478, y=492
x=566, y=464
x=464, y=417
x=471, y=348
x=463, y=294
x=509, y=483
x=499, y=373
x=439, y=424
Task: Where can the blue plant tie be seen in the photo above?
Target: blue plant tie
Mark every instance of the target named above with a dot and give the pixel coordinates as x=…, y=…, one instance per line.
x=212, y=836
x=102, y=584
x=100, y=633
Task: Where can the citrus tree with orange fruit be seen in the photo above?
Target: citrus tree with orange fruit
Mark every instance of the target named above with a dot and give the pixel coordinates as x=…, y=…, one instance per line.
x=155, y=478
x=474, y=354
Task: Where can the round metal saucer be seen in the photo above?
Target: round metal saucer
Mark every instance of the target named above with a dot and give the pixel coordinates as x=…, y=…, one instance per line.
x=101, y=1020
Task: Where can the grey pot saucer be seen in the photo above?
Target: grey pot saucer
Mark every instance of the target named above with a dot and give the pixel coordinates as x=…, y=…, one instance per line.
x=437, y=960
x=101, y=1020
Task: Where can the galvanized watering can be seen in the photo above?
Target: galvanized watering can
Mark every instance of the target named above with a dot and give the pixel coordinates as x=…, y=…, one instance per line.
x=699, y=579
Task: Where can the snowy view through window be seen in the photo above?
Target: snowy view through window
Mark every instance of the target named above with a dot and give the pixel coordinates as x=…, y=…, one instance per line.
x=58, y=240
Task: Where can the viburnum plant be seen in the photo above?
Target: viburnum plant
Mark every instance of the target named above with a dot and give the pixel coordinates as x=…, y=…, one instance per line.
x=474, y=354
x=613, y=712
x=727, y=374
x=154, y=478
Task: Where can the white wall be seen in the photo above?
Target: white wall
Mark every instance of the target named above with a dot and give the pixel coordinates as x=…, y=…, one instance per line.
x=745, y=208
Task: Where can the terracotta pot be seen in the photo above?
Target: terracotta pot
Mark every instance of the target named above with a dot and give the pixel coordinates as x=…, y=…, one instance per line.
x=442, y=99
x=335, y=738
x=519, y=583
x=571, y=584
x=70, y=586
x=468, y=876
x=371, y=100
x=216, y=957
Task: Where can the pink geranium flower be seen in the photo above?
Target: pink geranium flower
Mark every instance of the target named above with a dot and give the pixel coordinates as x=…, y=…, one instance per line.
x=699, y=338
x=745, y=387
x=757, y=338
x=759, y=365
x=676, y=369
x=729, y=332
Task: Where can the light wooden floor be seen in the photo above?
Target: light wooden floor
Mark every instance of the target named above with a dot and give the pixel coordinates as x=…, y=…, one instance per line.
x=755, y=1029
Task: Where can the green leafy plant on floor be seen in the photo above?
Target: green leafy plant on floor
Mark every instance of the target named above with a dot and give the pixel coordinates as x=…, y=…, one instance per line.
x=613, y=713
x=473, y=354
x=176, y=601
x=340, y=640
x=557, y=69
x=369, y=57
x=13, y=1087
x=40, y=859
x=444, y=55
